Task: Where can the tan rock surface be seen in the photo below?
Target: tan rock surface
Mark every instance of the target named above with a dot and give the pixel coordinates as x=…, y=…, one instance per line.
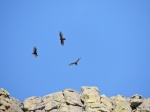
x=90, y=95
x=107, y=102
x=70, y=100
x=31, y=103
x=72, y=97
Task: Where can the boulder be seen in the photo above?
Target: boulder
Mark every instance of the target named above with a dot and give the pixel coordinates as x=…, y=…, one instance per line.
x=4, y=100
x=47, y=98
x=73, y=108
x=53, y=101
x=96, y=107
x=136, y=100
x=72, y=97
x=52, y=105
x=4, y=92
x=32, y=103
x=90, y=95
x=59, y=97
x=107, y=102
x=63, y=108
x=121, y=104
x=144, y=107
x=15, y=105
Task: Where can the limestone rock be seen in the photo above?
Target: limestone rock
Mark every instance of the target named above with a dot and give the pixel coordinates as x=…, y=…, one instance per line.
x=73, y=108
x=71, y=101
x=53, y=101
x=52, y=105
x=96, y=107
x=32, y=103
x=63, y=108
x=90, y=95
x=107, y=102
x=4, y=92
x=47, y=98
x=4, y=100
x=121, y=104
x=15, y=105
x=136, y=100
x=144, y=107
x=40, y=110
x=2, y=107
x=91, y=98
x=58, y=96
x=54, y=110
x=72, y=97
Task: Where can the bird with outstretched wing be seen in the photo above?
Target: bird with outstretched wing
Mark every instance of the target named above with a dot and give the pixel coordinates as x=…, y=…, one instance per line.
x=61, y=38
x=75, y=63
x=35, y=52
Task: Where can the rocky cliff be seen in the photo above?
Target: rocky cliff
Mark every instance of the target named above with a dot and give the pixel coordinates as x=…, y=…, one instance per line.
x=70, y=100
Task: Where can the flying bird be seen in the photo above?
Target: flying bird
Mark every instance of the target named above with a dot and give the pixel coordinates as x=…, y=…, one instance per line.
x=61, y=38
x=75, y=63
x=35, y=52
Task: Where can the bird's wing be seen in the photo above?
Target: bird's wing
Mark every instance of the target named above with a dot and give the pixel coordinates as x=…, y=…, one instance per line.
x=34, y=50
x=71, y=64
x=61, y=35
x=78, y=59
x=62, y=41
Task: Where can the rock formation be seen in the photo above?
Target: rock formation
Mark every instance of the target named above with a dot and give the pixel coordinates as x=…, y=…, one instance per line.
x=70, y=100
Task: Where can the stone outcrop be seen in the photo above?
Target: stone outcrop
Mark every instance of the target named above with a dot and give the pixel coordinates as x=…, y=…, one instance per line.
x=69, y=100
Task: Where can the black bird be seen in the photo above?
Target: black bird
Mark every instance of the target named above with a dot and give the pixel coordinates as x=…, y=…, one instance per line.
x=61, y=38
x=35, y=52
x=75, y=63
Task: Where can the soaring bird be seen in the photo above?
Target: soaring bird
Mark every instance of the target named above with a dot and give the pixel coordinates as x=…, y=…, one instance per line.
x=61, y=38
x=35, y=52
x=76, y=62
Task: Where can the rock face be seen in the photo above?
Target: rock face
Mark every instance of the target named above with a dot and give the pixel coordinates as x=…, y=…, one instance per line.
x=70, y=100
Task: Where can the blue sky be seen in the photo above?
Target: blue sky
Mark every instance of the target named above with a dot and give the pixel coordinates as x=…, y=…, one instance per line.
x=111, y=37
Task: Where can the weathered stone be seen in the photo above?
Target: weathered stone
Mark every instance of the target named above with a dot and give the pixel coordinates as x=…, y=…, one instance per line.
x=58, y=96
x=52, y=105
x=94, y=105
x=2, y=107
x=72, y=97
x=97, y=107
x=144, y=107
x=47, y=98
x=73, y=108
x=5, y=101
x=122, y=107
x=40, y=110
x=70, y=101
x=121, y=104
x=54, y=110
x=53, y=101
x=63, y=108
x=106, y=101
x=2, y=111
x=32, y=103
x=4, y=92
x=117, y=99
x=90, y=95
x=136, y=100
x=15, y=105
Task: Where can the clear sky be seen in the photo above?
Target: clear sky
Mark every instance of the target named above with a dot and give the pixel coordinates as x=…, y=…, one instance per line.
x=111, y=37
